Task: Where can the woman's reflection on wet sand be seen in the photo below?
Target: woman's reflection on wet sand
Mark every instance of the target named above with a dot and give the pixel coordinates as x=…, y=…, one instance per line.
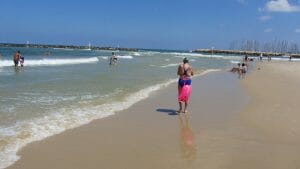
x=187, y=138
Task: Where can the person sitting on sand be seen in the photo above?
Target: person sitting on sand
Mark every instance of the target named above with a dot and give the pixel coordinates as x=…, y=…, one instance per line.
x=236, y=69
x=185, y=72
x=244, y=68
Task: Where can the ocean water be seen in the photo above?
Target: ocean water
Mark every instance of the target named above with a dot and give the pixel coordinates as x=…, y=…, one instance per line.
x=60, y=89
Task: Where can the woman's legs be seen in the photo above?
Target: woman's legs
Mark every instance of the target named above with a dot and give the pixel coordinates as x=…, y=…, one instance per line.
x=180, y=107
x=185, y=107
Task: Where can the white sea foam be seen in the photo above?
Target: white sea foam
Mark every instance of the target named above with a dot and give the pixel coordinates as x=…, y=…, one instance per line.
x=191, y=55
x=235, y=62
x=170, y=65
x=136, y=54
x=63, y=49
x=208, y=71
x=125, y=57
x=284, y=59
x=186, y=54
x=104, y=57
x=118, y=56
x=4, y=63
x=195, y=55
x=51, y=62
x=150, y=53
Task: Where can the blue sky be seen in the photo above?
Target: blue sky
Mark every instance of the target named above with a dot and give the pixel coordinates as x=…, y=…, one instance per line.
x=167, y=24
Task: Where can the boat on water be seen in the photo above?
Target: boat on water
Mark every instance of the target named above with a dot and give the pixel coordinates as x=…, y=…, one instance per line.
x=89, y=46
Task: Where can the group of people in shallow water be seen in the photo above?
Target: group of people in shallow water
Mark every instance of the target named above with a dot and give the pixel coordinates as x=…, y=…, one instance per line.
x=242, y=68
x=18, y=58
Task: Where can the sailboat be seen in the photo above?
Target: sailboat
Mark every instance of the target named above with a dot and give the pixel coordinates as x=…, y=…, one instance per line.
x=89, y=46
x=27, y=44
x=118, y=48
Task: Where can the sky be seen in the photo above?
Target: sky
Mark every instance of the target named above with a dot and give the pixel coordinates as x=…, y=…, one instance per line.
x=152, y=24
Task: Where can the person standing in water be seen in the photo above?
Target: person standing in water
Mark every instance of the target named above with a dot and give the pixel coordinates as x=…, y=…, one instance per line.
x=185, y=73
x=22, y=59
x=16, y=58
x=113, y=59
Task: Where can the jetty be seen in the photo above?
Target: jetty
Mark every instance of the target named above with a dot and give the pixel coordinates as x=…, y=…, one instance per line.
x=242, y=52
x=66, y=47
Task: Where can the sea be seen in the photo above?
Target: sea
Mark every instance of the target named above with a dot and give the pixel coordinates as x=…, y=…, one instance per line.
x=60, y=89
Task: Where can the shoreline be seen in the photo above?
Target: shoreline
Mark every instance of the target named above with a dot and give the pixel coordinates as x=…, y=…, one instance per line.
x=147, y=116
x=108, y=110
x=232, y=123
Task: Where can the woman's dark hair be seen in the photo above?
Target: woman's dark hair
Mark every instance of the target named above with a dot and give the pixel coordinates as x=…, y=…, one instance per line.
x=185, y=60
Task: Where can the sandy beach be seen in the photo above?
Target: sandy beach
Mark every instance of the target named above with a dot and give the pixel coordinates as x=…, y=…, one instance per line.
x=232, y=123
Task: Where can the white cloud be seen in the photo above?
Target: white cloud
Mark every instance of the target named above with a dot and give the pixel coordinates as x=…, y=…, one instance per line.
x=265, y=18
x=281, y=6
x=297, y=30
x=268, y=30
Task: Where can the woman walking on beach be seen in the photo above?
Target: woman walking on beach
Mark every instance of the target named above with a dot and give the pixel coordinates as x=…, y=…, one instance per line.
x=185, y=72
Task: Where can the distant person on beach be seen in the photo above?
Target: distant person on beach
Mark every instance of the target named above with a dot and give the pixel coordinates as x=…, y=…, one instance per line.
x=246, y=58
x=185, y=73
x=290, y=58
x=261, y=57
x=113, y=59
x=16, y=58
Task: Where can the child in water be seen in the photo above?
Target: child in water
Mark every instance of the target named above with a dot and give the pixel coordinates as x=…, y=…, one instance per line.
x=113, y=59
x=22, y=60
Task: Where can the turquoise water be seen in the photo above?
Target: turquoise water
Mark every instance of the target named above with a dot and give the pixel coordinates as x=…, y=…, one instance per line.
x=59, y=89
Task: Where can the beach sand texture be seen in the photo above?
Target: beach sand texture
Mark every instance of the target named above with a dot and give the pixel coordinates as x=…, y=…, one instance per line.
x=232, y=123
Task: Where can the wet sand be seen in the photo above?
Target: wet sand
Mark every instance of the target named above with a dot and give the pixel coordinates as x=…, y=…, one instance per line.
x=230, y=124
